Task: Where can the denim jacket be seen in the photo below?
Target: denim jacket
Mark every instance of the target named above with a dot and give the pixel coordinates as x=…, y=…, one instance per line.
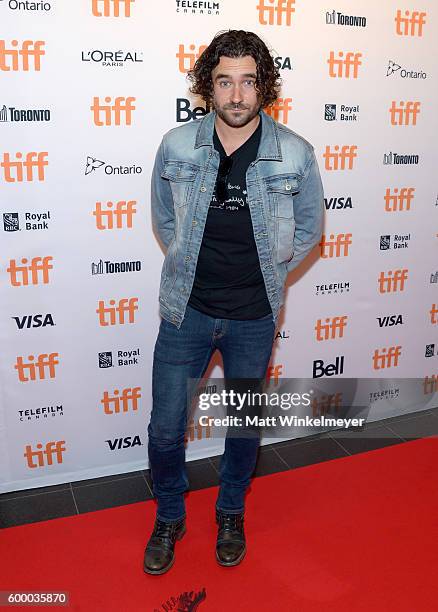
x=284, y=194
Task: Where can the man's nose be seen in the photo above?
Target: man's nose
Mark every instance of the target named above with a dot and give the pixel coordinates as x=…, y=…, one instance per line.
x=236, y=94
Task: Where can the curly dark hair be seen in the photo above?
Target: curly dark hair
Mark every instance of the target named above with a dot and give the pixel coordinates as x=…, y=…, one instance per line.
x=236, y=43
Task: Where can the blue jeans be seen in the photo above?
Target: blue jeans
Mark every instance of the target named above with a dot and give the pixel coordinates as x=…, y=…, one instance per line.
x=185, y=353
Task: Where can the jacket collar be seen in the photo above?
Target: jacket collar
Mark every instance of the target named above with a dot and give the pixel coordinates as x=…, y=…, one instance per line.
x=269, y=147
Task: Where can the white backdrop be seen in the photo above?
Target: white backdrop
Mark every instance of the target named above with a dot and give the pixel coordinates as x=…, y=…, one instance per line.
x=72, y=407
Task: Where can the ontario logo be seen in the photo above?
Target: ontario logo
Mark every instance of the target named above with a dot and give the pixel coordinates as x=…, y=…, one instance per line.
x=93, y=164
x=394, y=68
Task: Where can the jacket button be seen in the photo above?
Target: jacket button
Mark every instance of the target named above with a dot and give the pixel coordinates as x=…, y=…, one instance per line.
x=194, y=222
x=203, y=188
x=187, y=257
x=288, y=187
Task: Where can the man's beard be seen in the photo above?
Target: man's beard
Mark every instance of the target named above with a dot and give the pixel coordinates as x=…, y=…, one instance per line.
x=236, y=120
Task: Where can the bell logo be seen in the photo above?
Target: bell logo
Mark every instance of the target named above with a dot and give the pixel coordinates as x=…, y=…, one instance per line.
x=113, y=315
x=197, y=431
x=44, y=364
x=44, y=457
x=386, y=357
x=434, y=314
x=116, y=403
x=29, y=273
x=121, y=215
x=111, y=8
x=344, y=68
x=33, y=160
x=272, y=8
x=29, y=49
x=411, y=24
x=393, y=281
x=404, y=114
x=335, y=247
x=325, y=403
x=274, y=372
x=112, y=114
x=187, y=59
x=430, y=385
x=397, y=201
x=281, y=105
x=337, y=161
x=331, y=328
x=332, y=369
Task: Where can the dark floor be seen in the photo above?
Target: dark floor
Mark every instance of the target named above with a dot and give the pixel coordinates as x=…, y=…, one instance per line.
x=43, y=503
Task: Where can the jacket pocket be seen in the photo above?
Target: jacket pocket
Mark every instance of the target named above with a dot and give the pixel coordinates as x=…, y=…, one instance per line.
x=281, y=190
x=181, y=176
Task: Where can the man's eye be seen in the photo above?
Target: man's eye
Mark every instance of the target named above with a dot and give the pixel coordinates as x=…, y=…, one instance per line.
x=224, y=83
x=249, y=82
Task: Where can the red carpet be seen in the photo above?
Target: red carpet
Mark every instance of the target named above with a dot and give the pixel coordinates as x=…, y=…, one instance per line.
x=358, y=533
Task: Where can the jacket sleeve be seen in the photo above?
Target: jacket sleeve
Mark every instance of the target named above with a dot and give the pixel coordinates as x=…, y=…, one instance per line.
x=162, y=212
x=309, y=214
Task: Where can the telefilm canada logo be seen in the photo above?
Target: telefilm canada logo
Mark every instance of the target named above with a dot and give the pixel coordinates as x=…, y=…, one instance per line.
x=112, y=59
x=336, y=18
x=93, y=164
x=197, y=7
x=31, y=222
x=41, y=413
x=398, y=159
x=335, y=288
x=11, y=114
x=395, y=241
x=346, y=113
x=430, y=350
x=396, y=69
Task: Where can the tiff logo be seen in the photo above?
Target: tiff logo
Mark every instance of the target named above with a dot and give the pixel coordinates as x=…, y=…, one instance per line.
x=201, y=432
x=332, y=328
x=434, y=314
x=26, y=273
x=404, y=114
x=118, y=218
x=410, y=24
x=36, y=370
x=430, y=385
x=393, y=281
x=335, y=160
x=344, y=68
x=124, y=402
x=112, y=114
x=397, y=201
x=29, y=164
x=187, y=59
x=46, y=456
x=326, y=403
x=386, y=357
x=335, y=247
x=281, y=105
x=19, y=57
x=274, y=11
x=111, y=8
x=274, y=372
x=113, y=315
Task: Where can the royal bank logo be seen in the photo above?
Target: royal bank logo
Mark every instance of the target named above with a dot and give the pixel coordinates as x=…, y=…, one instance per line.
x=430, y=350
x=105, y=359
x=115, y=267
x=93, y=164
x=333, y=288
x=19, y=115
x=394, y=68
x=336, y=18
x=397, y=159
x=346, y=113
x=112, y=59
x=41, y=413
x=197, y=7
x=434, y=277
x=32, y=221
x=121, y=358
x=395, y=241
x=338, y=203
x=11, y=222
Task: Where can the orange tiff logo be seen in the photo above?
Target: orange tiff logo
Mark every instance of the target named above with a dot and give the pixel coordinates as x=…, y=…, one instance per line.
x=399, y=200
x=113, y=315
x=336, y=246
x=187, y=59
x=326, y=403
x=274, y=11
x=116, y=403
x=281, y=105
x=386, y=357
x=10, y=58
x=392, y=281
x=202, y=431
x=34, y=273
x=42, y=368
x=274, y=372
x=434, y=314
x=112, y=113
x=430, y=385
x=347, y=67
x=111, y=8
x=331, y=328
x=405, y=113
x=337, y=160
x=118, y=218
x=411, y=24
x=44, y=457
x=13, y=170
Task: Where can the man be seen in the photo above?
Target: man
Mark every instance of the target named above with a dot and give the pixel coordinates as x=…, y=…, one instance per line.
x=237, y=201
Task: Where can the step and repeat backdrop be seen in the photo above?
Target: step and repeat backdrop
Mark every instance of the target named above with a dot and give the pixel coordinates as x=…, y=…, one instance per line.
x=87, y=89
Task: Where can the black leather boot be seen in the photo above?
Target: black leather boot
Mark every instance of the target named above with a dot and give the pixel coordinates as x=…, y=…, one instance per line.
x=230, y=545
x=159, y=554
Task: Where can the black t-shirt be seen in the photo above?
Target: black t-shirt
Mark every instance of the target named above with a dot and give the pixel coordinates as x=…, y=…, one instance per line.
x=228, y=282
